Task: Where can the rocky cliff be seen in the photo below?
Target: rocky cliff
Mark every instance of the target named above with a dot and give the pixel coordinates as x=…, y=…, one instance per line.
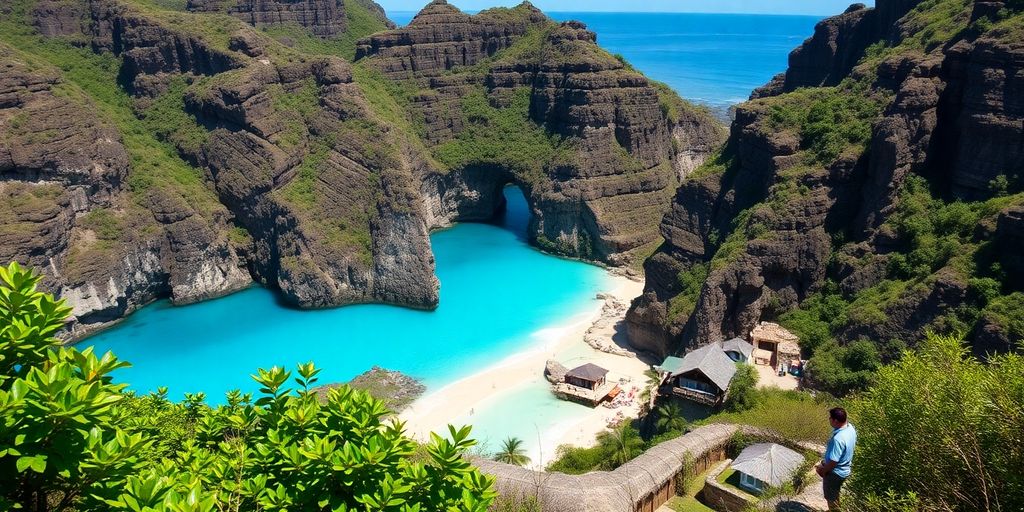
x=870, y=191
x=323, y=18
x=148, y=152
x=509, y=96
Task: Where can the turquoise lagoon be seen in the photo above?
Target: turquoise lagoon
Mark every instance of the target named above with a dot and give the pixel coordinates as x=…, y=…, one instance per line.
x=497, y=294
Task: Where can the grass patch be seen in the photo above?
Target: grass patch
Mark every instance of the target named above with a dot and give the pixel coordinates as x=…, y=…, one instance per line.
x=690, y=283
x=167, y=118
x=830, y=121
x=795, y=415
x=106, y=224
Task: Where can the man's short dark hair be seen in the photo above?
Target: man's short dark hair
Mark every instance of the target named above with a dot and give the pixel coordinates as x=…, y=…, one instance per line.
x=838, y=414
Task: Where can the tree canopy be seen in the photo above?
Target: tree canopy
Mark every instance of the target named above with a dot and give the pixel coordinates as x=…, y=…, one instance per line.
x=73, y=439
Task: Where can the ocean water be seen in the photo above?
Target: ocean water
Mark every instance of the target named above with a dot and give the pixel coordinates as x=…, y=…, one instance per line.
x=714, y=59
x=497, y=293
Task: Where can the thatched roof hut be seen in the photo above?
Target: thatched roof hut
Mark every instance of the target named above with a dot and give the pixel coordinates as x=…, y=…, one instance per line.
x=608, y=491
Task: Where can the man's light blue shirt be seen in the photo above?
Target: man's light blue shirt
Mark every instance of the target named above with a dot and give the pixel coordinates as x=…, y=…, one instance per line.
x=840, y=449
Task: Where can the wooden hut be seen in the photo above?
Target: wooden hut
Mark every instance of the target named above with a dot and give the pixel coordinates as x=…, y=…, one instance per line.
x=765, y=465
x=590, y=376
x=586, y=384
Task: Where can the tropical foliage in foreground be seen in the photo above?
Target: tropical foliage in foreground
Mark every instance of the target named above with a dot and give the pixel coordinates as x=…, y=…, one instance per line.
x=940, y=430
x=72, y=439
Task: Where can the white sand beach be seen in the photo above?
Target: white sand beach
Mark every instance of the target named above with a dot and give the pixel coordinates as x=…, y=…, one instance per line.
x=471, y=397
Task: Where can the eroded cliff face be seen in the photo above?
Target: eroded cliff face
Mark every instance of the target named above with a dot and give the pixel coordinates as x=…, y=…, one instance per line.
x=836, y=194
x=66, y=207
x=151, y=153
x=600, y=147
x=323, y=18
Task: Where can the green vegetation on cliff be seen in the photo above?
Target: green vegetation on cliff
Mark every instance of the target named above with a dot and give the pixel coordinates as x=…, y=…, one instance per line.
x=929, y=262
x=829, y=121
x=361, y=23
x=501, y=137
x=93, y=78
x=938, y=241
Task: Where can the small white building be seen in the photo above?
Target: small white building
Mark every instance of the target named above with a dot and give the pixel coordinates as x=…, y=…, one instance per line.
x=766, y=465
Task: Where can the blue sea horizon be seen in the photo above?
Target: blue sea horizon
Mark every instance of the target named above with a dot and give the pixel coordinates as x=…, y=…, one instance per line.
x=714, y=59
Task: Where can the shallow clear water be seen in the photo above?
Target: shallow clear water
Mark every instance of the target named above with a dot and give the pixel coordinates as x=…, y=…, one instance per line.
x=715, y=59
x=496, y=292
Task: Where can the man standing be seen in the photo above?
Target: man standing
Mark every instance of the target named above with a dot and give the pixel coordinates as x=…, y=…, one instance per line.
x=834, y=468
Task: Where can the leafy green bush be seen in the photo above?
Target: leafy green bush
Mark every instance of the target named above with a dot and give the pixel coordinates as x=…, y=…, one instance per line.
x=841, y=370
x=71, y=439
x=829, y=120
x=1008, y=313
x=742, y=389
x=690, y=283
x=943, y=430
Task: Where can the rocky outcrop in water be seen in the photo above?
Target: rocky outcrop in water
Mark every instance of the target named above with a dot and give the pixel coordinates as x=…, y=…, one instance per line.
x=396, y=389
x=775, y=222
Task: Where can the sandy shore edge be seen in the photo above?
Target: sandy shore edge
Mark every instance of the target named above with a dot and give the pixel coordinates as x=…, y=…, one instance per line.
x=565, y=343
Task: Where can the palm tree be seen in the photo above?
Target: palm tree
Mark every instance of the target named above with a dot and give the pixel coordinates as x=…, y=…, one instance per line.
x=670, y=417
x=512, y=452
x=653, y=381
x=622, y=443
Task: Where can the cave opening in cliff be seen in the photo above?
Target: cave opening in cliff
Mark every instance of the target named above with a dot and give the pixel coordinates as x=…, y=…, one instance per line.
x=515, y=216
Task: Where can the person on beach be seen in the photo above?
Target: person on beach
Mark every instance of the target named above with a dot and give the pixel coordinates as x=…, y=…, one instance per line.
x=835, y=466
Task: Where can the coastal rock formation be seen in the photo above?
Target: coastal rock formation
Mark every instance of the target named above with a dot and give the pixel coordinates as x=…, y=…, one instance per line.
x=554, y=371
x=65, y=173
x=396, y=389
x=442, y=37
x=609, y=145
x=793, y=214
x=189, y=154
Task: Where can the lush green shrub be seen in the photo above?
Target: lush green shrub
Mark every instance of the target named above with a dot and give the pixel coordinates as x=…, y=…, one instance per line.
x=943, y=429
x=742, y=389
x=690, y=282
x=70, y=439
x=841, y=370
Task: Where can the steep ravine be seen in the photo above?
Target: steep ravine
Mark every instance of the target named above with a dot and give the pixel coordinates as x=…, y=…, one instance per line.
x=869, y=192
x=149, y=153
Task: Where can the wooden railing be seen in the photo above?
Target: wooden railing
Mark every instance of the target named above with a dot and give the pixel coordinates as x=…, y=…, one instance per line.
x=701, y=397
